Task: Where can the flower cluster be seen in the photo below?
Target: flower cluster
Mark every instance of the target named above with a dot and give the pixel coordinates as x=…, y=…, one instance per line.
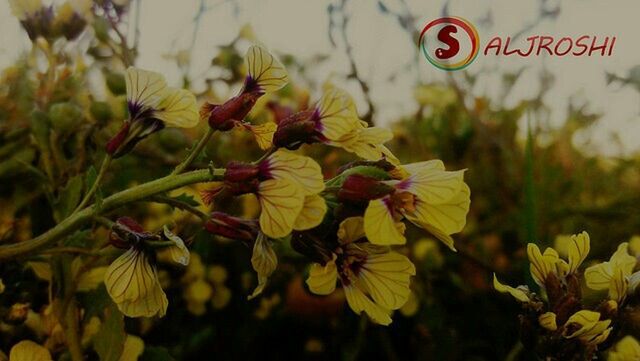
x=346, y=224
x=562, y=324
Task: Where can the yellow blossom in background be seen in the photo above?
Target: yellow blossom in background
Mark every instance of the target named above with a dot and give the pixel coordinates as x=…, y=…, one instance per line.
x=614, y=274
x=22, y=9
x=2, y=287
x=375, y=279
x=634, y=246
x=627, y=349
x=133, y=348
x=29, y=351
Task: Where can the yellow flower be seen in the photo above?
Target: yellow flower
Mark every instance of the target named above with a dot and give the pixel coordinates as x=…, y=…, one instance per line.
x=549, y=262
x=29, y=351
x=586, y=326
x=132, y=281
x=627, y=349
x=287, y=187
x=375, y=279
x=152, y=106
x=197, y=294
x=521, y=293
x=614, y=275
x=133, y=348
x=2, y=287
x=430, y=197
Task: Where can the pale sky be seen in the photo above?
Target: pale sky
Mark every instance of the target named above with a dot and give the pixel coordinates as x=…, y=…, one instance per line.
x=381, y=48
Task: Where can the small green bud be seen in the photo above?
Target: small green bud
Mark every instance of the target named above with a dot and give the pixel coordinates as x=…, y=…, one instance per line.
x=101, y=111
x=65, y=116
x=101, y=28
x=116, y=83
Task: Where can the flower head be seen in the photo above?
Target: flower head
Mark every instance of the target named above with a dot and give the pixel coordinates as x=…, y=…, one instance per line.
x=287, y=187
x=132, y=279
x=29, y=351
x=375, y=279
x=265, y=75
x=428, y=196
x=627, y=349
x=152, y=106
x=614, y=275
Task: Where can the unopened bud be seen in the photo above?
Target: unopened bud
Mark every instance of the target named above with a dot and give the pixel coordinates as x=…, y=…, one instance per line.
x=361, y=188
x=227, y=226
x=126, y=233
x=295, y=130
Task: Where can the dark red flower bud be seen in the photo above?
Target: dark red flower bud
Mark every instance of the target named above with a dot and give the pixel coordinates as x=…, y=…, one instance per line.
x=224, y=117
x=297, y=129
x=361, y=188
x=240, y=172
x=227, y=226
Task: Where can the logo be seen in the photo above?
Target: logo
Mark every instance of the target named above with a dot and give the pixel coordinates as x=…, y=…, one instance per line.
x=450, y=43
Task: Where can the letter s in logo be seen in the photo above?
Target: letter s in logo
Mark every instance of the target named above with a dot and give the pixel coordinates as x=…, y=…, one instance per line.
x=452, y=43
x=449, y=43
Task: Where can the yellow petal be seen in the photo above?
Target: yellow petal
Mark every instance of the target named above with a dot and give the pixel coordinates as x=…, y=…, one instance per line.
x=517, y=293
x=548, y=321
x=359, y=302
x=618, y=286
x=541, y=265
x=264, y=262
x=29, y=351
x=322, y=279
x=144, y=88
x=265, y=69
x=366, y=143
x=179, y=252
x=281, y=201
x=301, y=170
x=380, y=226
x=622, y=259
x=586, y=319
x=447, y=218
x=598, y=277
x=386, y=277
x=263, y=134
x=435, y=186
x=133, y=348
x=338, y=115
x=351, y=229
x=133, y=285
x=627, y=349
x=578, y=250
x=425, y=166
x=312, y=213
x=178, y=108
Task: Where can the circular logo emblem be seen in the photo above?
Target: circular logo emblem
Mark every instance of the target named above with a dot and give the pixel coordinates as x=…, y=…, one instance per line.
x=449, y=43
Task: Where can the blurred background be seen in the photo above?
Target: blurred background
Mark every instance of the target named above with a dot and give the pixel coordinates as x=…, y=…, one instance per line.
x=552, y=148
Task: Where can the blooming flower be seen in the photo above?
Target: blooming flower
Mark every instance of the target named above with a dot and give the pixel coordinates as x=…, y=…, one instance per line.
x=265, y=75
x=132, y=279
x=287, y=187
x=587, y=326
x=152, y=106
x=375, y=279
x=428, y=196
x=29, y=351
x=627, y=349
x=34, y=17
x=334, y=121
x=614, y=275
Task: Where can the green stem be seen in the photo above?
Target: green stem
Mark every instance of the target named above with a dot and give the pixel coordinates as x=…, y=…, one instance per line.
x=176, y=203
x=134, y=194
x=194, y=152
x=94, y=187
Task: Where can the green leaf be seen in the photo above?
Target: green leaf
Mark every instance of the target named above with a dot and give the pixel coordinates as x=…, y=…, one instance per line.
x=69, y=197
x=155, y=353
x=109, y=341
